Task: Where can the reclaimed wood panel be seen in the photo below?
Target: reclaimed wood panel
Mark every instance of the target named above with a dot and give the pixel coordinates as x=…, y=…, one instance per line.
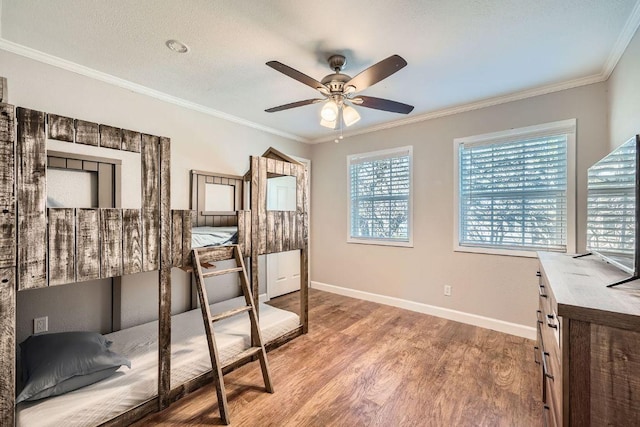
x=110, y=137
x=247, y=234
x=62, y=246
x=304, y=252
x=88, y=244
x=131, y=241
x=279, y=167
x=187, y=223
x=262, y=204
x=131, y=141
x=271, y=232
x=4, y=89
x=216, y=253
x=150, y=239
x=286, y=231
x=255, y=226
x=293, y=229
x=165, y=202
x=31, y=159
x=7, y=345
x=286, y=168
x=61, y=128
x=176, y=237
x=271, y=165
x=615, y=377
x=110, y=243
x=278, y=232
x=87, y=133
x=150, y=172
x=7, y=187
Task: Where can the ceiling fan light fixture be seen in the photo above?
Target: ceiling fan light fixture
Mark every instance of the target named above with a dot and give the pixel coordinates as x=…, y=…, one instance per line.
x=331, y=124
x=329, y=111
x=350, y=115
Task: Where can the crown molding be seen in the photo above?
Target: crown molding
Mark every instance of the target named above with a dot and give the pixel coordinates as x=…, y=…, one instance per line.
x=46, y=58
x=489, y=102
x=627, y=33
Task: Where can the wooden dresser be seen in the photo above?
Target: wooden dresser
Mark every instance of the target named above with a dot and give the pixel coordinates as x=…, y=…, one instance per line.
x=588, y=344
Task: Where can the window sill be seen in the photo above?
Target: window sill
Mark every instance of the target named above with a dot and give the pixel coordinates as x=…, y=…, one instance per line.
x=374, y=242
x=497, y=251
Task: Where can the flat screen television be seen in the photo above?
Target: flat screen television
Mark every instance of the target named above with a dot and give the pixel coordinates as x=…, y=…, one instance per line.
x=613, y=208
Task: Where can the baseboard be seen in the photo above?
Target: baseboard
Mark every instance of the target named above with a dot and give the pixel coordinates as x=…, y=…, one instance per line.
x=446, y=313
x=263, y=297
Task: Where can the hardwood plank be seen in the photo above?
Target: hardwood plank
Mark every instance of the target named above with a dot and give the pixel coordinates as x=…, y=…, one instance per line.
x=176, y=237
x=131, y=241
x=278, y=233
x=62, y=246
x=150, y=172
x=87, y=133
x=262, y=204
x=61, y=128
x=88, y=244
x=7, y=345
x=110, y=243
x=7, y=187
x=3, y=89
x=362, y=360
x=131, y=141
x=150, y=240
x=187, y=223
x=110, y=137
x=31, y=158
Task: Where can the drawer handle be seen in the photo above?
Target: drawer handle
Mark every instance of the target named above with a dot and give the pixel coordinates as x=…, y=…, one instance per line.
x=535, y=354
x=538, y=274
x=545, y=370
x=542, y=291
x=550, y=324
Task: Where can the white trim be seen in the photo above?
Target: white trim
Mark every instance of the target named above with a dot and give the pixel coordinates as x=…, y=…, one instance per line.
x=373, y=241
x=566, y=127
x=627, y=33
x=263, y=298
x=137, y=88
x=445, y=313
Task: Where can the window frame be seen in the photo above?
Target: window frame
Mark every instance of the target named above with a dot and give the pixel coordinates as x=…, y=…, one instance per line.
x=562, y=127
x=381, y=241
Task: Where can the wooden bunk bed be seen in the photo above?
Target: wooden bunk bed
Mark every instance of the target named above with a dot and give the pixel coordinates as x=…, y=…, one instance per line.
x=42, y=247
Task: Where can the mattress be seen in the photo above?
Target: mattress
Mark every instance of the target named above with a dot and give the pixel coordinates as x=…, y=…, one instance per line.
x=213, y=236
x=97, y=403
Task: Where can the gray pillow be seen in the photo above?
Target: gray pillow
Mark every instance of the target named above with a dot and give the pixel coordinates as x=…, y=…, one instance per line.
x=58, y=363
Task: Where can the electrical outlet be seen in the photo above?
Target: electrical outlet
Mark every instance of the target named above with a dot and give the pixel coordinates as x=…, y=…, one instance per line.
x=447, y=290
x=40, y=325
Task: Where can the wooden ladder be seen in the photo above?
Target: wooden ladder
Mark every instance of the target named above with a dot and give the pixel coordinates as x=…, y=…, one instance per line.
x=199, y=261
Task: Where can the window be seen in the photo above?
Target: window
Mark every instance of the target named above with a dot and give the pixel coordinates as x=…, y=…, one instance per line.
x=515, y=190
x=380, y=197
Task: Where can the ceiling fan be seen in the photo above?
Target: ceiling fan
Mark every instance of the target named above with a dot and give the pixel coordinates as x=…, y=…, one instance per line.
x=339, y=90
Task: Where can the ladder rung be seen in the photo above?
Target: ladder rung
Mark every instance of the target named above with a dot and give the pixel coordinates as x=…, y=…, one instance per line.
x=243, y=355
x=226, y=314
x=221, y=272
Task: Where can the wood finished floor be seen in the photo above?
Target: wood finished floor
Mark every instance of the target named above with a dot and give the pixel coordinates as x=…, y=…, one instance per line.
x=367, y=364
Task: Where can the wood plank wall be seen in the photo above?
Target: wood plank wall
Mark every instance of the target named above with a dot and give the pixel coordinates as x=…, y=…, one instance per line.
x=7, y=262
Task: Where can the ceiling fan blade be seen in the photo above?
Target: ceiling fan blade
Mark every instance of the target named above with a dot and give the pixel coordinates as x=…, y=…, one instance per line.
x=382, y=104
x=377, y=72
x=293, y=105
x=297, y=75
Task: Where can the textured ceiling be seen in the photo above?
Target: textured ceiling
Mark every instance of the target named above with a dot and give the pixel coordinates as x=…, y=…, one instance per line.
x=459, y=51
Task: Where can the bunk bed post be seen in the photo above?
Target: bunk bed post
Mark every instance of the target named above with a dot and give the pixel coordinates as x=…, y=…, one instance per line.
x=164, y=315
x=256, y=226
x=304, y=252
x=7, y=260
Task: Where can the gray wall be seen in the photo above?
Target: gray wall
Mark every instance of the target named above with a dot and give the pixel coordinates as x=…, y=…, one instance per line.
x=198, y=141
x=499, y=287
x=624, y=95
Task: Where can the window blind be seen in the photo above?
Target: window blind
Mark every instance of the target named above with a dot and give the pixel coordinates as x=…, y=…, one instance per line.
x=514, y=194
x=380, y=186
